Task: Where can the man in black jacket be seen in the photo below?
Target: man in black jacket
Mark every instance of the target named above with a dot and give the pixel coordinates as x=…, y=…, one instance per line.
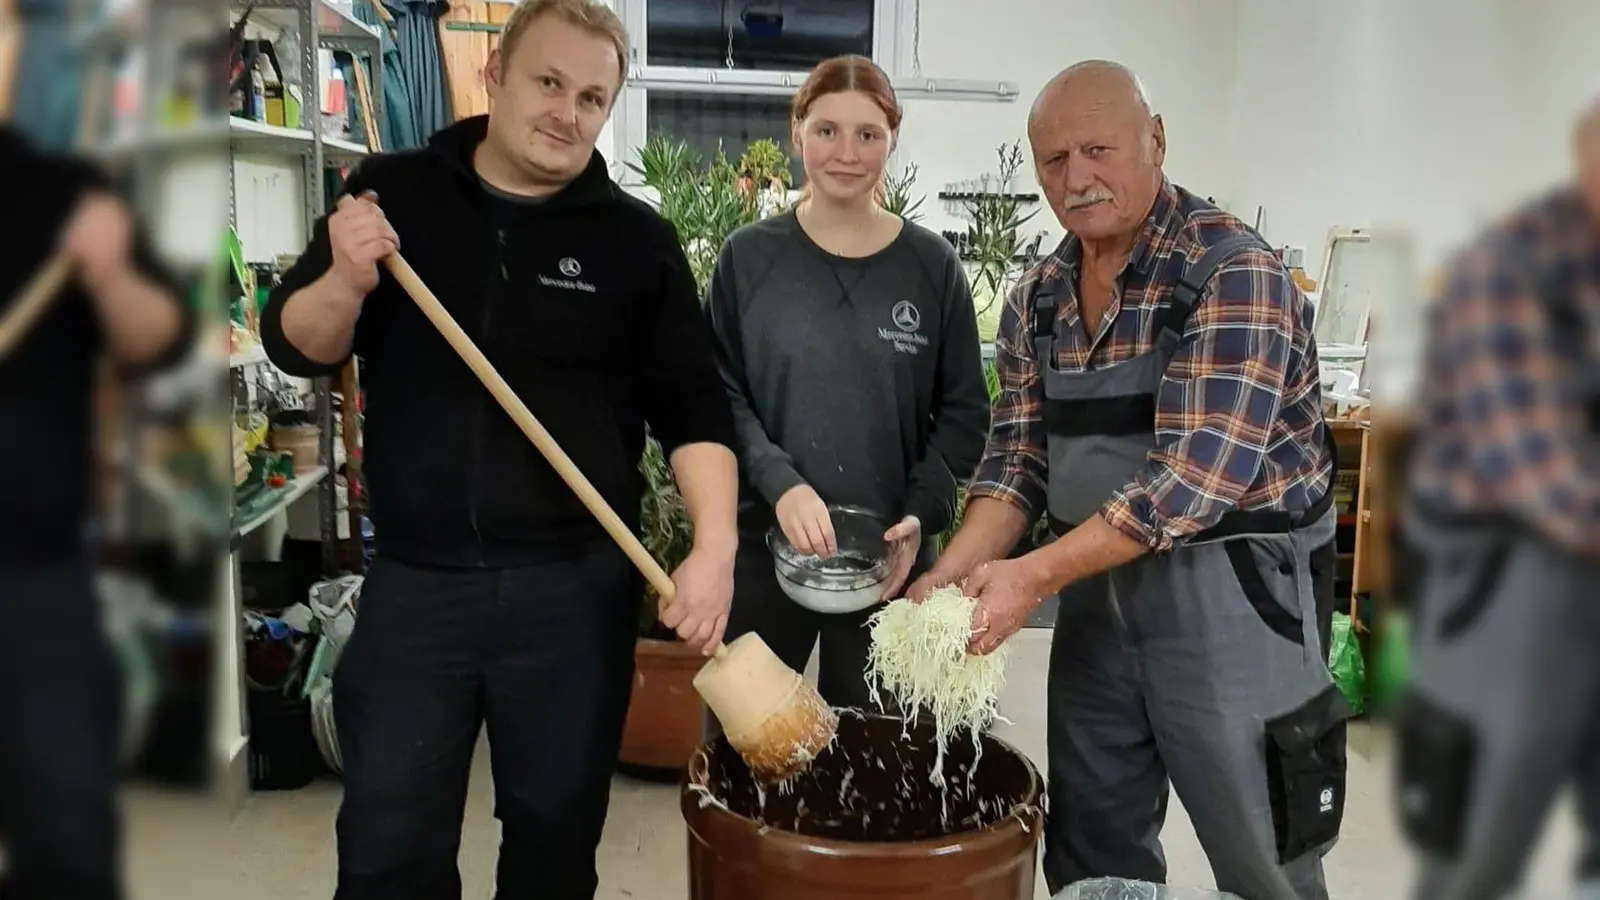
x=495, y=595
x=59, y=709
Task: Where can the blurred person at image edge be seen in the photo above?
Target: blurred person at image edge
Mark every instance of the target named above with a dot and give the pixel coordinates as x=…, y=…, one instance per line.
x=495, y=596
x=1504, y=520
x=60, y=692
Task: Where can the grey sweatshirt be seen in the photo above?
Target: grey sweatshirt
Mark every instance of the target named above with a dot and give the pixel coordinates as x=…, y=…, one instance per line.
x=860, y=377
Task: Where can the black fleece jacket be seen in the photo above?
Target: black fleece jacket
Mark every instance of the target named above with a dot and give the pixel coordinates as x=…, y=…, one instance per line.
x=584, y=303
x=47, y=383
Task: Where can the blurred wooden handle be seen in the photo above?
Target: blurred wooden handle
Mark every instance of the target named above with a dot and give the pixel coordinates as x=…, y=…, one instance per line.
x=480, y=365
x=37, y=295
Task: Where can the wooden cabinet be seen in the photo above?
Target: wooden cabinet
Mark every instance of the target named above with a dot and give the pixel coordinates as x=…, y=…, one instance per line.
x=1355, y=521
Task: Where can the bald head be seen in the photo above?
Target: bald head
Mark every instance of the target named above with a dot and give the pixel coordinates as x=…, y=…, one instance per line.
x=1098, y=149
x=1113, y=84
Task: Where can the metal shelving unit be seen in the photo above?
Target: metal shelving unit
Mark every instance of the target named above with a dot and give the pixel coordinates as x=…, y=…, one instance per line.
x=316, y=24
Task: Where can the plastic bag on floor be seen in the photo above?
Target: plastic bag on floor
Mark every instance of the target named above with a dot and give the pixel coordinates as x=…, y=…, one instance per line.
x=1118, y=889
x=1345, y=662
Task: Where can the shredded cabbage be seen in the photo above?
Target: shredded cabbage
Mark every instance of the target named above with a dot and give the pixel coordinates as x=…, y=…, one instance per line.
x=919, y=657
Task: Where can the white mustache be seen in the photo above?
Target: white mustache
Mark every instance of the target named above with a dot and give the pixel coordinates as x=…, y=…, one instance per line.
x=1072, y=202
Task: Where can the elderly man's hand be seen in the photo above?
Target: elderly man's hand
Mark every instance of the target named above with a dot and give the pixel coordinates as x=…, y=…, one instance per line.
x=1007, y=592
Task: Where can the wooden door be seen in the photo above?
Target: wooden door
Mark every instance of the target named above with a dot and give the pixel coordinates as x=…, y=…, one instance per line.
x=468, y=34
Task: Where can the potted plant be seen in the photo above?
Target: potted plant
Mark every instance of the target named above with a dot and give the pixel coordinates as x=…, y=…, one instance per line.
x=664, y=713
x=705, y=205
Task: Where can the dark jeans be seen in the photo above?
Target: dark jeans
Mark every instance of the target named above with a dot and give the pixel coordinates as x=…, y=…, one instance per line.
x=60, y=730
x=544, y=655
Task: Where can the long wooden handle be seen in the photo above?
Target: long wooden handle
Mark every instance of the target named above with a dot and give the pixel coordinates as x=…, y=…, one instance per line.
x=480, y=365
x=364, y=96
x=36, y=297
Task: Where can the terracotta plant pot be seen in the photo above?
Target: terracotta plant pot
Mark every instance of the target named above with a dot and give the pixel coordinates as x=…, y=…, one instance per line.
x=865, y=822
x=665, y=716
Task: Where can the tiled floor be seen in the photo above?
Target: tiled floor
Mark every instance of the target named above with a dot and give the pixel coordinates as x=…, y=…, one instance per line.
x=282, y=847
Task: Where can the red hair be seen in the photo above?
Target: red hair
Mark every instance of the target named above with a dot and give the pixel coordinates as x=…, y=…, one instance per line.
x=843, y=74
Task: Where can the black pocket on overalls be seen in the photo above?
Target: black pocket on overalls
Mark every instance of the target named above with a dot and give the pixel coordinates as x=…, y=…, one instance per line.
x=1306, y=774
x=1438, y=752
x=1243, y=561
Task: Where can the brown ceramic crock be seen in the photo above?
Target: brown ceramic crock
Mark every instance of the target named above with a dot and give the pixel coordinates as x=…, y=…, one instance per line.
x=735, y=857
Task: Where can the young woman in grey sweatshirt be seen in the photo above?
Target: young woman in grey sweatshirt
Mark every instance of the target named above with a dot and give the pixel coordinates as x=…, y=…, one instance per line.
x=849, y=344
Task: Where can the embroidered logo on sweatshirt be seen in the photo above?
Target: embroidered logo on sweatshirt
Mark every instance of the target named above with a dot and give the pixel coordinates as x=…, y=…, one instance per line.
x=570, y=268
x=907, y=321
x=905, y=316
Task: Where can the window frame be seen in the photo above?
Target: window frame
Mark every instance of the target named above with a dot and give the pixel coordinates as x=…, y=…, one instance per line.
x=891, y=21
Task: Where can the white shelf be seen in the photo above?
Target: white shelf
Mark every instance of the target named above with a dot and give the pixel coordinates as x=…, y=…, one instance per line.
x=298, y=487
x=331, y=22
x=242, y=135
x=256, y=137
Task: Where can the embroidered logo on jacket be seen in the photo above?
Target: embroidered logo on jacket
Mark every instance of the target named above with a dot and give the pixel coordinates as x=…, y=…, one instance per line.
x=568, y=267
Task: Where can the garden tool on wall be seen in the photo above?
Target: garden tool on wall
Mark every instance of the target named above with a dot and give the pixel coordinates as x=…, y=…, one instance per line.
x=775, y=720
x=36, y=297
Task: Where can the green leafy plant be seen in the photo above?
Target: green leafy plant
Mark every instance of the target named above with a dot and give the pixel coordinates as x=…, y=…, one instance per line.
x=897, y=196
x=765, y=165
x=705, y=204
x=994, y=244
x=664, y=529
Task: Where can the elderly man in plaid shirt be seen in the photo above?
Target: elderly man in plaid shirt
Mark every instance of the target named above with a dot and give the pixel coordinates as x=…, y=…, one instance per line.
x=1505, y=521
x=1161, y=404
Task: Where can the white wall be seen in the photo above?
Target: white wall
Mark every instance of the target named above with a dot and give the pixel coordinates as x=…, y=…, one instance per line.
x=1430, y=115
x=1183, y=50
x=1380, y=113
x=1559, y=57
x=1433, y=116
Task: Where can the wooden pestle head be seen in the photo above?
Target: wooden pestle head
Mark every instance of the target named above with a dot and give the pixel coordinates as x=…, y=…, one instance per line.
x=775, y=720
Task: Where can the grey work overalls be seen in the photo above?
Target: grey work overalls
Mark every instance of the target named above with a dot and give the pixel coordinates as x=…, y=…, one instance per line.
x=1205, y=665
x=1503, y=708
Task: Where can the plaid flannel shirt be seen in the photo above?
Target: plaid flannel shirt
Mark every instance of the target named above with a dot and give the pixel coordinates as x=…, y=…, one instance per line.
x=1503, y=424
x=1239, y=413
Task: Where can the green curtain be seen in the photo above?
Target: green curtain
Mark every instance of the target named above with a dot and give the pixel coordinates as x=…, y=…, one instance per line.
x=415, y=100
x=49, y=79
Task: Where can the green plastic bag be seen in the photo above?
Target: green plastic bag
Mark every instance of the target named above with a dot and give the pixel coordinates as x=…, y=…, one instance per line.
x=1344, y=660
x=1391, y=664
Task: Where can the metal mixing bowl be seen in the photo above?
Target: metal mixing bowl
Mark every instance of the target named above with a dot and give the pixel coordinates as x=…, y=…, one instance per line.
x=849, y=582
